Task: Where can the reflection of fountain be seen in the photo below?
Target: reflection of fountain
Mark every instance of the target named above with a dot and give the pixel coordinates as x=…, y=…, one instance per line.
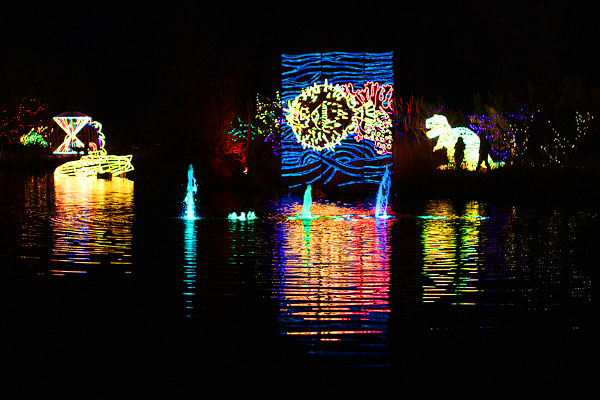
x=383, y=195
x=307, y=202
x=189, y=269
x=192, y=188
x=190, y=239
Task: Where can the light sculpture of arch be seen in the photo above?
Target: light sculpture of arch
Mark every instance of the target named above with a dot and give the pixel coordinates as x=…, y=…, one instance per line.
x=71, y=125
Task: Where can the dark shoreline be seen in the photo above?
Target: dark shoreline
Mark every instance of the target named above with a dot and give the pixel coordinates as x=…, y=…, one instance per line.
x=547, y=185
x=543, y=185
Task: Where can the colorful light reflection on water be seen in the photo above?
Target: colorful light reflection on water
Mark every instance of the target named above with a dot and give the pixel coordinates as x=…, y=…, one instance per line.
x=89, y=223
x=344, y=285
x=450, y=249
x=334, y=277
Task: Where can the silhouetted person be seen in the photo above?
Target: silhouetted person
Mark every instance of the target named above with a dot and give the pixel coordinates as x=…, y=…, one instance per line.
x=484, y=152
x=459, y=152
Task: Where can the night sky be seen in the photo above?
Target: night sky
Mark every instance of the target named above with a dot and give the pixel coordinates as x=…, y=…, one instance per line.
x=114, y=60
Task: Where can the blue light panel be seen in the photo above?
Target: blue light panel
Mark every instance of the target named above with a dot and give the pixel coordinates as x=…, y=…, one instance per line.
x=351, y=162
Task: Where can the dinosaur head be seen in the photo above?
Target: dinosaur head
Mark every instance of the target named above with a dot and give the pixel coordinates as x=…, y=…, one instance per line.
x=436, y=125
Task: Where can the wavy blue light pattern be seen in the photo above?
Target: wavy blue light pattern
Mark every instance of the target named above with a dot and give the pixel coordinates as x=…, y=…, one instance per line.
x=351, y=162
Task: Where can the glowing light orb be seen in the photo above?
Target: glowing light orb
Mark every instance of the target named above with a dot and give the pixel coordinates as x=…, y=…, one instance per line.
x=438, y=126
x=322, y=116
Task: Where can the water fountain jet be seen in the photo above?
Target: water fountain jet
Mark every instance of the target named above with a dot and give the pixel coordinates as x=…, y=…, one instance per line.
x=243, y=216
x=189, y=201
x=307, y=203
x=383, y=195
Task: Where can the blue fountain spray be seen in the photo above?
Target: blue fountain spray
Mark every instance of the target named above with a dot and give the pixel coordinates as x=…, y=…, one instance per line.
x=383, y=195
x=189, y=201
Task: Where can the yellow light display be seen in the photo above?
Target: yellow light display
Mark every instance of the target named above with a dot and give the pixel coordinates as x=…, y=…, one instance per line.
x=450, y=250
x=35, y=137
x=322, y=116
x=438, y=126
x=97, y=162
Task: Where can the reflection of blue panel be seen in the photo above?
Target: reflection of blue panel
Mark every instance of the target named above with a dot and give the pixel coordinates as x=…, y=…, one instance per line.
x=351, y=162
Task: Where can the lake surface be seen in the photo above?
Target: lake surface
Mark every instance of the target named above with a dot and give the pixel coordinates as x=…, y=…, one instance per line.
x=106, y=286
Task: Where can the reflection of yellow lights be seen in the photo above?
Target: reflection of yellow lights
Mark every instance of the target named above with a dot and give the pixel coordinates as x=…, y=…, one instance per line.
x=63, y=272
x=450, y=250
x=331, y=333
x=93, y=220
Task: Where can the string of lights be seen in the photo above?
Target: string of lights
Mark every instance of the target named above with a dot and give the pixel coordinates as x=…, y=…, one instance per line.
x=528, y=137
x=16, y=123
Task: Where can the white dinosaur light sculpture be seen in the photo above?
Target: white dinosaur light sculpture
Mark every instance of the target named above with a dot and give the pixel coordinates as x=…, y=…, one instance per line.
x=438, y=126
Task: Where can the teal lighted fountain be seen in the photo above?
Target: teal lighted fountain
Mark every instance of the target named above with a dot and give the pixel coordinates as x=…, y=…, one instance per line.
x=249, y=216
x=383, y=194
x=381, y=206
x=189, y=202
x=306, y=205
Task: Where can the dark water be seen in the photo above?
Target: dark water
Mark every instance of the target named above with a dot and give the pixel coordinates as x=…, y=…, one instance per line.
x=106, y=289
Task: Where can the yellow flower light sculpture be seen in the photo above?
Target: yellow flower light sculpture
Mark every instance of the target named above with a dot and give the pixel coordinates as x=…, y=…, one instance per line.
x=96, y=162
x=322, y=116
x=438, y=126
